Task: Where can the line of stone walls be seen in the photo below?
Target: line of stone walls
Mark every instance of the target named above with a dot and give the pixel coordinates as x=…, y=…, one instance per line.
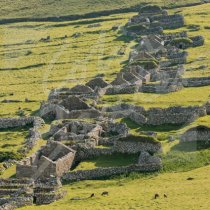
x=122, y=89
x=196, y=81
x=47, y=198
x=157, y=116
x=13, y=203
x=133, y=147
x=6, y=123
x=84, y=153
x=159, y=88
x=100, y=173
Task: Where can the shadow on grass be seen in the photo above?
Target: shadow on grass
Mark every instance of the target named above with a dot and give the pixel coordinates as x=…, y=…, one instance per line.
x=162, y=128
x=130, y=123
x=111, y=160
x=18, y=129
x=191, y=146
x=124, y=38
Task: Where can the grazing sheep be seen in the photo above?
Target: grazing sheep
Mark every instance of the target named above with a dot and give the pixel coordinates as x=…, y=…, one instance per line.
x=92, y=195
x=105, y=193
x=156, y=196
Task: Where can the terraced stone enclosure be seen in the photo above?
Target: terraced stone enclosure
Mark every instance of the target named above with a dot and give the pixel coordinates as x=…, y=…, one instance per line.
x=103, y=103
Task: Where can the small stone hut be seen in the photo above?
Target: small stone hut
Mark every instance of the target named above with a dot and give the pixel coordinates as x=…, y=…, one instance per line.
x=54, y=159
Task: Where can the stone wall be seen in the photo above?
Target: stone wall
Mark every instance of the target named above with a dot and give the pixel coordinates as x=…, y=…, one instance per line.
x=6, y=123
x=47, y=198
x=196, y=81
x=157, y=116
x=84, y=153
x=15, y=193
x=199, y=133
x=169, y=21
x=129, y=146
x=161, y=88
x=174, y=115
x=100, y=173
x=53, y=159
x=122, y=89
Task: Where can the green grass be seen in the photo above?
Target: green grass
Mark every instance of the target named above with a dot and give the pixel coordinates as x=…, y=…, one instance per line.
x=49, y=8
x=66, y=62
x=108, y=161
x=185, y=97
x=125, y=193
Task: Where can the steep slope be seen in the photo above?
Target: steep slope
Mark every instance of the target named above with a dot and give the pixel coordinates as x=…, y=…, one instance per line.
x=56, y=8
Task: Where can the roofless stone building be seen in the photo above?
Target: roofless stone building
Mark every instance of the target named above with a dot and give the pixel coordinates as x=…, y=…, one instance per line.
x=54, y=159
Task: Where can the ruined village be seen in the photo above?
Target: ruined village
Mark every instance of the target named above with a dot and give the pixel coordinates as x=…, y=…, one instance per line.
x=82, y=128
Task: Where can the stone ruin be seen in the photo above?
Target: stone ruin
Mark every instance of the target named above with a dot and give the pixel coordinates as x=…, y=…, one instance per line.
x=196, y=134
x=64, y=104
x=89, y=134
x=152, y=20
x=144, y=146
x=34, y=124
x=76, y=132
x=54, y=159
x=158, y=57
x=154, y=66
x=16, y=193
x=156, y=116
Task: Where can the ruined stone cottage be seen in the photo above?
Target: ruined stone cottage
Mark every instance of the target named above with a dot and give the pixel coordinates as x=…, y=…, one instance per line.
x=54, y=159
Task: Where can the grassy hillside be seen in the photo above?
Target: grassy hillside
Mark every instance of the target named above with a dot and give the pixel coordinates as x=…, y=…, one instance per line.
x=127, y=194
x=55, y=8
x=30, y=68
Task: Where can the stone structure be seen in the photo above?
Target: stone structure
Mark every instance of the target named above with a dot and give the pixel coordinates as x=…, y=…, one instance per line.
x=136, y=144
x=146, y=159
x=196, y=134
x=149, y=21
x=156, y=116
x=97, y=82
x=101, y=173
x=34, y=134
x=6, y=123
x=68, y=107
x=54, y=159
x=16, y=193
x=196, y=81
x=76, y=132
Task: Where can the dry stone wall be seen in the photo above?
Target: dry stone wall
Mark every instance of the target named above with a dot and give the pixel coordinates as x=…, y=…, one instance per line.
x=100, y=173
x=157, y=116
